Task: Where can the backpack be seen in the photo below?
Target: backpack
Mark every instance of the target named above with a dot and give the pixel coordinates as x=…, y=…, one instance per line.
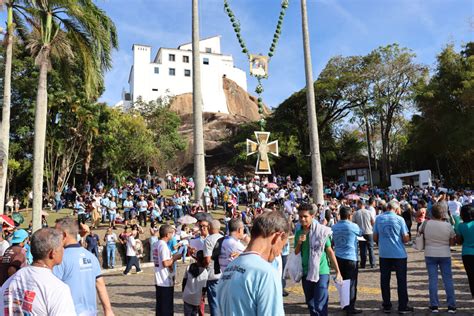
x=216, y=252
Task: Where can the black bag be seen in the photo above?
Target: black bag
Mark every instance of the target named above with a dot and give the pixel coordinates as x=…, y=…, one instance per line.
x=216, y=252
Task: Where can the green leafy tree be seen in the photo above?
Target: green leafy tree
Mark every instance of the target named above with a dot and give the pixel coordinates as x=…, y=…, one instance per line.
x=442, y=134
x=393, y=75
x=164, y=124
x=124, y=143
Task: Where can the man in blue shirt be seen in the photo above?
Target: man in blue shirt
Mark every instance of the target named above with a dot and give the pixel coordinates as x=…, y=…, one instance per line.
x=345, y=235
x=391, y=233
x=250, y=285
x=80, y=270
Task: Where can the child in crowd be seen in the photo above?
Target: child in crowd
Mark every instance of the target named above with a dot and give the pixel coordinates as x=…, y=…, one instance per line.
x=194, y=285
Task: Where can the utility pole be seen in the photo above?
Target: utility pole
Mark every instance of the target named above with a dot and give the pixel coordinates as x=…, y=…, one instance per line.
x=316, y=171
x=199, y=164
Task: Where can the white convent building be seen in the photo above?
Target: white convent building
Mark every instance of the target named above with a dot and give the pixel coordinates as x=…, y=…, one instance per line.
x=170, y=74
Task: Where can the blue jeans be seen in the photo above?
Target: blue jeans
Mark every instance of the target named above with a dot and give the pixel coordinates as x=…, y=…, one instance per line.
x=185, y=252
x=387, y=265
x=111, y=255
x=284, y=259
x=177, y=213
x=316, y=295
x=444, y=264
x=212, y=297
x=58, y=206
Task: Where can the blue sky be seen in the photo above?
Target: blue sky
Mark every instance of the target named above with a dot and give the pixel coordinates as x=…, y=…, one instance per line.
x=337, y=27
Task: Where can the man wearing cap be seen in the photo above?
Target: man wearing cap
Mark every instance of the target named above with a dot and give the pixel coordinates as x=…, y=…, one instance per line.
x=14, y=257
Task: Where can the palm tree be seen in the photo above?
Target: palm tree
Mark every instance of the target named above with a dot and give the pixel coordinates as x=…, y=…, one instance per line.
x=316, y=171
x=65, y=32
x=14, y=23
x=199, y=159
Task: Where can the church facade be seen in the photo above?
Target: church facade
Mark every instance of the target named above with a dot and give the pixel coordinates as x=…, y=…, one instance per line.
x=170, y=74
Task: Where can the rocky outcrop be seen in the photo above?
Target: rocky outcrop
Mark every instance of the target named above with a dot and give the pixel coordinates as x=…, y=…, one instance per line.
x=218, y=128
x=239, y=102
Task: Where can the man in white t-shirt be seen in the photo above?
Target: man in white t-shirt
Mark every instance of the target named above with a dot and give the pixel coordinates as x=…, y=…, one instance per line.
x=132, y=258
x=454, y=207
x=213, y=278
x=142, y=206
x=197, y=243
x=163, y=262
x=371, y=207
x=34, y=290
x=232, y=246
x=127, y=209
x=466, y=198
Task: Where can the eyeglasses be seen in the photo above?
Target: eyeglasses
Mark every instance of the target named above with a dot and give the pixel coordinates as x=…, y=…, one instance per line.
x=204, y=226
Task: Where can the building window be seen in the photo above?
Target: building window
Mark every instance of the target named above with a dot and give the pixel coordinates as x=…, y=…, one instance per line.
x=157, y=70
x=186, y=59
x=154, y=89
x=172, y=57
x=172, y=72
x=208, y=50
x=351, y=175
x=205, y=61
x=187, y=73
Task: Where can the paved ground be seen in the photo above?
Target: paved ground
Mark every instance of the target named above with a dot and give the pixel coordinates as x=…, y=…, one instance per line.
x=135, y=294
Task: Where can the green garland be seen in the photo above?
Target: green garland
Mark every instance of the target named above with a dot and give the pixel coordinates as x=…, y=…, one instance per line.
x=276, y=36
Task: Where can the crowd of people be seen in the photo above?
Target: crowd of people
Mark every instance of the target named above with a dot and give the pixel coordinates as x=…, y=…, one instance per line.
x=238, y=261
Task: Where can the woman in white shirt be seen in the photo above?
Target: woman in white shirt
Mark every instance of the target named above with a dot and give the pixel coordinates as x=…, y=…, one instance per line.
x=439, y=236
x=132, y=259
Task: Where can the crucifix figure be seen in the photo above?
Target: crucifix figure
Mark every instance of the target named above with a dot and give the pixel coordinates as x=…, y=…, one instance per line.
x=263, y=148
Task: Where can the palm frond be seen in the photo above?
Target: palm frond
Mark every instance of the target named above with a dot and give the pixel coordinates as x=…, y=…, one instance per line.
x=80, y=32
x=21, y=28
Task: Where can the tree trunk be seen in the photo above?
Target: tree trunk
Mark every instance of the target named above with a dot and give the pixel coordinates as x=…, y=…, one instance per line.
x=5, y=124
x=369, y=150
x=316, y=170
x=63, y=172
x=199, y=162
x=87, y=162
x=385, y=134
x=41, y=112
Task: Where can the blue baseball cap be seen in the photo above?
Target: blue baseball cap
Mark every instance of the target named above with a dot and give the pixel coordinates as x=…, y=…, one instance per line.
x=19, y=236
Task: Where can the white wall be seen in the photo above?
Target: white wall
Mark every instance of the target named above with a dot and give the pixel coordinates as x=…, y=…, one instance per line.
x=212, y=43
x=144, y=80
x=423, y=177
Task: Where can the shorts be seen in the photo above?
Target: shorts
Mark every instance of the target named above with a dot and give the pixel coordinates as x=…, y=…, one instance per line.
x=112, y=216
x=126, y=215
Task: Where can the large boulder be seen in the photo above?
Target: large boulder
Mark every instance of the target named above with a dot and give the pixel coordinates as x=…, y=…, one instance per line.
x=218, y=127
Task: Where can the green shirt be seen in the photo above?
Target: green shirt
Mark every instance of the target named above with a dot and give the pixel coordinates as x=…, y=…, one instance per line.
x=323, y=262
x=466, y=230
